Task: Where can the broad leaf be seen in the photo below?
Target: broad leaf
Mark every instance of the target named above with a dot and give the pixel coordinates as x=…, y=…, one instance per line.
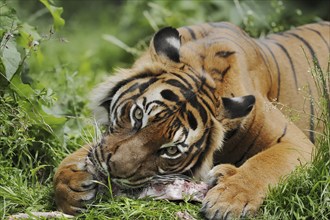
x=10, y=57
x=56, y=13
x=27, y=36
x=8, y=18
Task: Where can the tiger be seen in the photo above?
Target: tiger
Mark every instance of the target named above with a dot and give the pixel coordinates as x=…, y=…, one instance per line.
x=203, y=101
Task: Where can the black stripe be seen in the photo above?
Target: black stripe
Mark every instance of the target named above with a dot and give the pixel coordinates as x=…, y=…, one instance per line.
x=201, y=142
x=183, y=79
x=128, y=80
x=123, y=83
x=207, y=145
x=162, y=115
x=202, y=84
x=207, y=105
x=123, y=112
x=278, y=70
x=318, y=33
x=208, y=91
x=311, y=51
x=192, y=120
x=176, y=83
x=106, y=104
x=283, y=134
x=224, y=72
x=158, y=102
x=99, y=157
x=144, y=86
x=185, y=133
x=263, y=55
x=198, y=144
x=174, y=127
x=169, y=95
x=290, y=61
x=190, y=96
x=194, y=78
x=191, y=32
x=133, y=97
x=144, y=102
x=130, y=89
x=203, y=113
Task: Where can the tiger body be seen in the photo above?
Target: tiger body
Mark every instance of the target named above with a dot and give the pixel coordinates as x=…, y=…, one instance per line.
x=203, y=101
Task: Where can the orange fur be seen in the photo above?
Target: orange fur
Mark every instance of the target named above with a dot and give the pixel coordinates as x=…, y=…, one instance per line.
x=251, y=152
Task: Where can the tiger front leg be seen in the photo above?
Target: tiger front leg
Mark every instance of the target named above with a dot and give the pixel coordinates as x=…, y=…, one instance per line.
x=75, y=186
x=234, y=193
x=239, y=192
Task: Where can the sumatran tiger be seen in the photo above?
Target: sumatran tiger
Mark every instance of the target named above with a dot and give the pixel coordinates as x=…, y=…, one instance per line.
x=203, y=101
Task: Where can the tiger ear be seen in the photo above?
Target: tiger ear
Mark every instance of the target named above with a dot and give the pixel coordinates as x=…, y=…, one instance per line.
x=167, y=42
x=238, y=107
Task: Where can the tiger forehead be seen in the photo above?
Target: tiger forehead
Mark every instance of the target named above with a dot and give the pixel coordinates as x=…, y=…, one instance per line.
x=170, y=80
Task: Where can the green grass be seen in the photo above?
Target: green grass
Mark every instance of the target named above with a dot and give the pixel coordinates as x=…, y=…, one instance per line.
x=306, y=193
x=71, y=62
x=125, y=208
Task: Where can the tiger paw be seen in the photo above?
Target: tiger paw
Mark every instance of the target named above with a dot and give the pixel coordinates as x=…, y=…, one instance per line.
x=233, y=195
x=74, y=187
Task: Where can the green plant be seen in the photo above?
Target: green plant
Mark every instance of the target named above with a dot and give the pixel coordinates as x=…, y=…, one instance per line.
x=30, y=135
x=306, y=193
x=46, y=73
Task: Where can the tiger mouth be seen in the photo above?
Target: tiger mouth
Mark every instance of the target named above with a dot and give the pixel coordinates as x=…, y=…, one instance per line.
x=126, y=184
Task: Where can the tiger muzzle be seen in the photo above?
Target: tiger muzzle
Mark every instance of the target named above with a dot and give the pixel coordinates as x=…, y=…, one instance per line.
x=129, y=158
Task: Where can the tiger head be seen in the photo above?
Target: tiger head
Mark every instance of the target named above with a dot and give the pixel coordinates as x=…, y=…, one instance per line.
x=163, y=116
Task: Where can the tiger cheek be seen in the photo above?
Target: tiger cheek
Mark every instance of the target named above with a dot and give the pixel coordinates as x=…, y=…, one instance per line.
x=148, y=167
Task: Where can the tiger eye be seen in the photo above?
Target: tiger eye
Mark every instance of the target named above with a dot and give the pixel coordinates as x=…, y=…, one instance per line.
x=138, y=114
x=172, y=150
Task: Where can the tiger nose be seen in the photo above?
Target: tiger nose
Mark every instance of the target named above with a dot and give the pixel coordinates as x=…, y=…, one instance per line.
x=124, y=164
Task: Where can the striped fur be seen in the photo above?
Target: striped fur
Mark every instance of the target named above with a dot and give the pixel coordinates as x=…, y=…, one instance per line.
x=210, y=102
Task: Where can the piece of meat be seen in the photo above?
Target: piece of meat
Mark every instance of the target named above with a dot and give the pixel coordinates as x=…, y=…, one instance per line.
x=178, y=189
